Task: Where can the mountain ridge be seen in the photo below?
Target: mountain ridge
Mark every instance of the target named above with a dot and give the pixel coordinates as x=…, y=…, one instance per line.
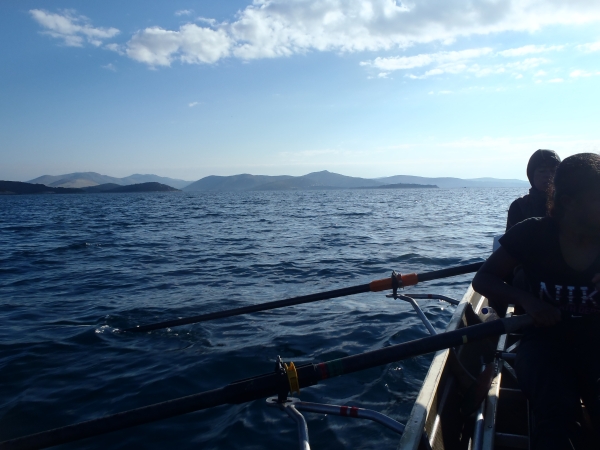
x=88, y=179
x=248, y=182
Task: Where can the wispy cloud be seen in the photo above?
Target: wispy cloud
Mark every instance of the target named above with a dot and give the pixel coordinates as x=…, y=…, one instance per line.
x=589, y=47
x=110, y=66
x=582, y=74
x=192, y=104
x=470, y=61
x=184, y=12
x=73, y=29
x=530, y=49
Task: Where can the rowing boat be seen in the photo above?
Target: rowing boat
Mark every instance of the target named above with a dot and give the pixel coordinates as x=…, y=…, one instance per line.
x=499, y=422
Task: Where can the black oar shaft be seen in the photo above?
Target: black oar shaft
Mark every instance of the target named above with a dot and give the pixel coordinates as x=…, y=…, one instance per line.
x=115, y=422
x=266, y=385
x=374, y=286
x=449, y=272
x=255, y=308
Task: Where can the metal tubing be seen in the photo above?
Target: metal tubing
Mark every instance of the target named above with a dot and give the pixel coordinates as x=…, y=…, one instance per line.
x=302, y=427
x=420, y=313
x=478, y=433
x=289, y=406
x=435, y=297
x=352, y=411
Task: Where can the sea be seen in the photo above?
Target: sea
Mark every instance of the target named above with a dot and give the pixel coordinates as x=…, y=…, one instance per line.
x=76, y=269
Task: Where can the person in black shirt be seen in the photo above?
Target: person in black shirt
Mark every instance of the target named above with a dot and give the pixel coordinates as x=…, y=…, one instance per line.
x=558, y=361
x=540, y=172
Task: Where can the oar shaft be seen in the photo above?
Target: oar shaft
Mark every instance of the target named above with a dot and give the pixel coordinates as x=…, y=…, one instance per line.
x=266, y=385
x=422, y=346
x=374, y=286
x=255, y=308
x=107, y=424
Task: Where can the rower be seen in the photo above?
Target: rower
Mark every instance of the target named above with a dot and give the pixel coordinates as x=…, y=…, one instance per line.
x=540, y=172
x=558, y=361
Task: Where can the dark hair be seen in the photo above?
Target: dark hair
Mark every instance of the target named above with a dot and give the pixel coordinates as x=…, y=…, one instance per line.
x=576, y=175
x=541, y=158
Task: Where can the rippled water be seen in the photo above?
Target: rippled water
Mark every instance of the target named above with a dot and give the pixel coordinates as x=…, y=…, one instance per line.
x=74, y=268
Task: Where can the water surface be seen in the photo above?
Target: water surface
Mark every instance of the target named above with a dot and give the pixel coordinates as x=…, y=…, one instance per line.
x=73, y=268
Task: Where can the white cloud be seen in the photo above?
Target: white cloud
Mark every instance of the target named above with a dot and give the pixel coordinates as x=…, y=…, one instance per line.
x=73, y=29
x=191, y=44
x=278, y=28
x=184, y=12
x=110, y=66
x=530, y=49
x=454, y=62
x=410, y=62
x=589, y=47
x=582, y=74
x=556, y=80
x=192, y=104
x=115, y=48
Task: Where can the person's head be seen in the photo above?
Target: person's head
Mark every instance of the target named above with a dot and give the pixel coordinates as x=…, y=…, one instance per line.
x=576, y=191
x=541, y=167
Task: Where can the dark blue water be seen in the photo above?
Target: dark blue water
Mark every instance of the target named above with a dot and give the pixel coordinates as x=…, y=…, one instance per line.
x=75, y=268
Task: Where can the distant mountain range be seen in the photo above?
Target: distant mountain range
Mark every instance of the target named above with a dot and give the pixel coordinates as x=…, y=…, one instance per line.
x=247, y=182
x=86, y=179
x=329, y=180
x=19, y=188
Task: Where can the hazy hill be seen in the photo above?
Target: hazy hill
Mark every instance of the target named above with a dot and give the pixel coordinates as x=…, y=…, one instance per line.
x=402, y=186
x=110, y=188
x=319, y=180
x=86, y=179
x=143, y=187
x=101, y=187
x=241, y=182
x=17, y=187
x=329, y=180
x=448, y=182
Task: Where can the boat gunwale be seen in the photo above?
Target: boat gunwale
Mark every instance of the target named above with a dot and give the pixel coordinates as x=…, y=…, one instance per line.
x=425, y=404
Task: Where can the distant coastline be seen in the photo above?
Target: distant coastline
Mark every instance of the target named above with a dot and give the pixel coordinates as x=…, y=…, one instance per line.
x=20, y=188
x=92, y=182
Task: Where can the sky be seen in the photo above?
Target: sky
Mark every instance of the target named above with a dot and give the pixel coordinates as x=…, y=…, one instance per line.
x=187, y=89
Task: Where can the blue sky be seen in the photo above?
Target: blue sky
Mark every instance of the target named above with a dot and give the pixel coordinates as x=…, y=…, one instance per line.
x=365, y=88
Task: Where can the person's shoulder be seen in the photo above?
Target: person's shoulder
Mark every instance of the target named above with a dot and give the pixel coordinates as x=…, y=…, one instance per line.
x=533, y=225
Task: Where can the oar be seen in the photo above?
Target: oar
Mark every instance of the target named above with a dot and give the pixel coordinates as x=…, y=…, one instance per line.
x=274, y=383
x=374, y=286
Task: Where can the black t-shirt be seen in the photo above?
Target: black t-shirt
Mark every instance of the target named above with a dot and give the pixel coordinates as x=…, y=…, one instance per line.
x=535, y=243
x=530, y=205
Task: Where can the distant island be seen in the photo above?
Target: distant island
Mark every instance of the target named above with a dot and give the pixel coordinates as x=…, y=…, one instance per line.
x=20, y=188
x=92, y=182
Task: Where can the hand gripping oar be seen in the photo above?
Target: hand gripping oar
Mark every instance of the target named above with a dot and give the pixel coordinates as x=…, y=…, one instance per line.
x=374, y=286
x=280, y=383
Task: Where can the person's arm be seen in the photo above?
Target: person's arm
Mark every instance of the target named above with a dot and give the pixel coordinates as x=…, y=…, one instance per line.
x=488, y=282
x=515, y=215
